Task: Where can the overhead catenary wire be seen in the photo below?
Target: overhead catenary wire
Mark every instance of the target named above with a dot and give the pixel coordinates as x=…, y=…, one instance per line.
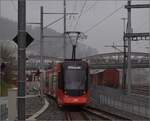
x=82, y=9
x=53, y=22
x=87, y=10
x=73, y=10
x=102, y=20
x=92, y=6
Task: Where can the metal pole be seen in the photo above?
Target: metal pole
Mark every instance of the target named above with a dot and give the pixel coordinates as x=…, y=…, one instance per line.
x=149, y=57
x=0, y=76
x=124, y=64
x=64, y=29
x=129, y=30
x=41, y=49
x=21, y=58
x=0, y=8
x=1, y=80
x=124, y=24
x=125, y=56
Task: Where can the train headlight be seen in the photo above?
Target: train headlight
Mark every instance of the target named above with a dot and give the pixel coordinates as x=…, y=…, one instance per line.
x=65, y=92
x=84, y=92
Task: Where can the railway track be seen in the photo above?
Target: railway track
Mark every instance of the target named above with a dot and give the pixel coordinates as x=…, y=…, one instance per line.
x=92, y=114
x=80, y=115
x=103, y=115
x=77, y=113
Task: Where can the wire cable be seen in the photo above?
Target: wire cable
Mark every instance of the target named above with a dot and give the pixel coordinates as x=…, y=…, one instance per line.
x=102, y=20
x=87, y=10
x=53, y=22
x=92, y=6
x=80, y=14
x=73, y=10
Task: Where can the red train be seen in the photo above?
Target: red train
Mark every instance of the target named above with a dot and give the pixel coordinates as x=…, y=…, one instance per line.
x=68, y=83
x=109, y=77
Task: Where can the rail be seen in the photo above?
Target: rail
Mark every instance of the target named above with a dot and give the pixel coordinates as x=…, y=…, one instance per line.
x=68, y=116
x=76, y=115
x=104, y=115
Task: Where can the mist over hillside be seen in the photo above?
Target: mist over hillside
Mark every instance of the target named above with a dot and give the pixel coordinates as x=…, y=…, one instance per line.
x=52, y=46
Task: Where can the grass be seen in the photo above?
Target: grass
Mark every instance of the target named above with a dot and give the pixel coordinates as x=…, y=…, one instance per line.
x=4, y=88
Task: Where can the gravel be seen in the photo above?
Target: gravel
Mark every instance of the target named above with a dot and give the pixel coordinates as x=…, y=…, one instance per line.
x=52, y=113
x=32, y=105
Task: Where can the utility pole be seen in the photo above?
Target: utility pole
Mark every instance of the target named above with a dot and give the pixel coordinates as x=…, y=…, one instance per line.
x=124, y=77
x=130, y=36
x=21, y=58
x=41, y=49
x=125, y=55
x=129, y=30
x=0, y=8
x=64, y=29
x=124, y=24
x=149, y=39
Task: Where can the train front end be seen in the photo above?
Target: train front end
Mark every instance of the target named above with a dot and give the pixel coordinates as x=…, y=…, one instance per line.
x=74, y=84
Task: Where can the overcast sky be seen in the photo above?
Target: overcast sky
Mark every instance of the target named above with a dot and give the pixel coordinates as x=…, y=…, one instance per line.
x=106, y=33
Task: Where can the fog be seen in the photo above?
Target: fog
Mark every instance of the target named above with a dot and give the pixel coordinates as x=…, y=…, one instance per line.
x=105, y=33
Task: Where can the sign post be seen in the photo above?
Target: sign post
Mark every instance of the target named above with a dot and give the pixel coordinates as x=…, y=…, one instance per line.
x=20, y=39
x=21, y=58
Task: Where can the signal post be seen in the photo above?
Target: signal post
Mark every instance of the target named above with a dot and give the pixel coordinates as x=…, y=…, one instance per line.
x=21, y=58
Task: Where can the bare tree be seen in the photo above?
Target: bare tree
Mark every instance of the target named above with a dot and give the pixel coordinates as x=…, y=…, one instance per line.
x=8, y=66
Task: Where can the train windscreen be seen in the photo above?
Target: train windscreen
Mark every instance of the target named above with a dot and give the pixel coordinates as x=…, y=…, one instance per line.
x=75, y=78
